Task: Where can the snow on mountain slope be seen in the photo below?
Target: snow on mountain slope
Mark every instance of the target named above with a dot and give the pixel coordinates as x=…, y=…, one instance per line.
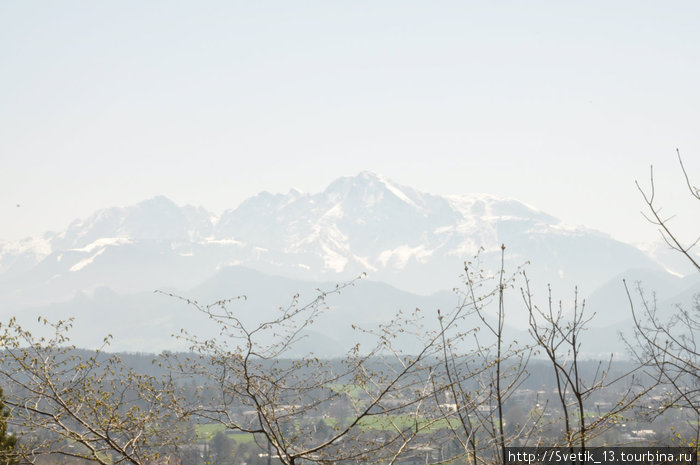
x=365, y=223
x=369, y=223
x=669, y=258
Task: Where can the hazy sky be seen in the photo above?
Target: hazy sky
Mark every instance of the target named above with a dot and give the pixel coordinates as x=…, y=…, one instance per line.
x=559, y=104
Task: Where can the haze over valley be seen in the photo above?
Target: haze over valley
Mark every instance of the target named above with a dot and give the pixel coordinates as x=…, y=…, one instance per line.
x=412, y=245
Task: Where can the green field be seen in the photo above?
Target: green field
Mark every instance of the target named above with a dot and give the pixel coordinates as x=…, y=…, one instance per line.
x=352, y=390
x=379, y=423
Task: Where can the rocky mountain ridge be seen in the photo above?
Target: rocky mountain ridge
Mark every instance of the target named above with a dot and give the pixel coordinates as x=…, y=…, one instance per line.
x=365, y=223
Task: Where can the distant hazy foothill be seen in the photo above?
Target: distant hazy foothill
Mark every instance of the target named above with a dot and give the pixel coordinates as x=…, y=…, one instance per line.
x=412, y=245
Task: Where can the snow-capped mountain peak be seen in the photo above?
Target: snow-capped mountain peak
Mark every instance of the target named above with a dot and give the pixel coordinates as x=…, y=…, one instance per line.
x=369, y=188
x=359, y=223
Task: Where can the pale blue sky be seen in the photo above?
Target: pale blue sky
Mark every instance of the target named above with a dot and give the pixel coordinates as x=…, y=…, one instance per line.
x=559, y=104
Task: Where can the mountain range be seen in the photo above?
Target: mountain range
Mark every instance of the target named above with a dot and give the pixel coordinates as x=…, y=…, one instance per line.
x=409, y=243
